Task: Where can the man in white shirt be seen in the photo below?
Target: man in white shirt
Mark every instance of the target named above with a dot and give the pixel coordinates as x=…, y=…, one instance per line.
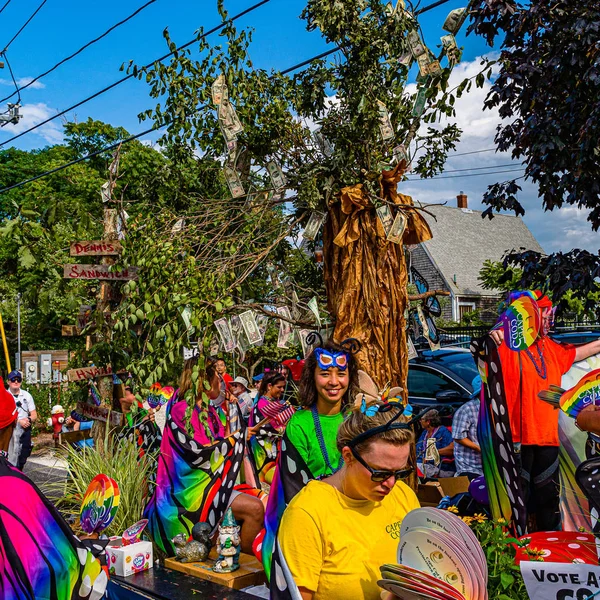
x=21, y=441
x=239, y=388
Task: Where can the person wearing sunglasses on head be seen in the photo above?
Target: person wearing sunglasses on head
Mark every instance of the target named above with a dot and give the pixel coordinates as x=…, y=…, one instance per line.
x=336, y=533
x=26, y=416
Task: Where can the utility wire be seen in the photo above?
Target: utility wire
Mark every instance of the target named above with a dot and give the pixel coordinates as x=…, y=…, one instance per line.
x=473, y=152
x=476, y=169
x=130, y=76
x=215, y=29
x=25, y=25
x=454, y=176
x=12, y=75
x=7, y=3
x=90, y=43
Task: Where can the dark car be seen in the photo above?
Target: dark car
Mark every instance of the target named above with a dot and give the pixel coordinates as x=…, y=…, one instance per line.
x=441, y=377
x=575, y=337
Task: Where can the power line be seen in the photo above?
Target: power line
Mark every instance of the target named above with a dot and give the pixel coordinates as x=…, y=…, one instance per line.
x=68, y=58
x=7, y=3
x=130, y=76
x=12, y=75
x=469, y=175
x=476, y=169
x=25, y=25
x=473, y=152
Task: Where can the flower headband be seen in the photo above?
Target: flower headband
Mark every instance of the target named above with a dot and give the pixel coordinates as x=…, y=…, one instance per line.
x=327, y=360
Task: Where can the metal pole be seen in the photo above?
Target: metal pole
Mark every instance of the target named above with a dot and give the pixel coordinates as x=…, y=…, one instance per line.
x=6, y=355
x=19, y=331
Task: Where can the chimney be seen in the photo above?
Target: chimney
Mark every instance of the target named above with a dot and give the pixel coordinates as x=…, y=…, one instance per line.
x=461, y=200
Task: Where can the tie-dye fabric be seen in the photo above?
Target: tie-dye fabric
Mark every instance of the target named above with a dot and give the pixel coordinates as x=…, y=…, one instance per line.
x=291, y=475
x=193, y=482
x=500, y=468
x=40, y=557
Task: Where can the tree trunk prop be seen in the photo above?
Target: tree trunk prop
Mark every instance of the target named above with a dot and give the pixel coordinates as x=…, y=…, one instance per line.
x=366, y=277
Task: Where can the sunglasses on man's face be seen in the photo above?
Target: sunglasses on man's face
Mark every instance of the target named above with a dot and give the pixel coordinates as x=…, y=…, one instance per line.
x=378, y=475
x=16, y=380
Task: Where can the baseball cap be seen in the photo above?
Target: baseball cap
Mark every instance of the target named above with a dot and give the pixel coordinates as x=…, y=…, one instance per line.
x=14, y=374
x=476, y=383
x=242, y=381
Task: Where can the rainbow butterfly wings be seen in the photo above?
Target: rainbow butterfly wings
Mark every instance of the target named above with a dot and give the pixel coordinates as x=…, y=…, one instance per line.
x=99, y=505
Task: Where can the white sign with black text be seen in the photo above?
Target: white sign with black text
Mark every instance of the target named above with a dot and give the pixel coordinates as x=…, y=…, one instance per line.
x=557, y=581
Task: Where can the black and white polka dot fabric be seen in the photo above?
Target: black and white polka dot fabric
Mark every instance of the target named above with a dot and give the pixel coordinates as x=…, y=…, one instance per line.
x=588, y=478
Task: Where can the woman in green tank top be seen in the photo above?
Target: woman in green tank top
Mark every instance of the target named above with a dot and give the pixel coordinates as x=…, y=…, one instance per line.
x=328, y=380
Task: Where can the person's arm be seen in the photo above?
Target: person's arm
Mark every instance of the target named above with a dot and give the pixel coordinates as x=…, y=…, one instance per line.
x=589, y=419
x=587, y=350
x=33, y=416
x=446, y=438
x=467, y=443
x=447, y=450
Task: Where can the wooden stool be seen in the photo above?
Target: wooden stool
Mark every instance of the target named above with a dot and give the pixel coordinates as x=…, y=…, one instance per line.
x=251, y=572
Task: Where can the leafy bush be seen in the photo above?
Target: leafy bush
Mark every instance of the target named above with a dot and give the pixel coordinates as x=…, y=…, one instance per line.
x=118, y=460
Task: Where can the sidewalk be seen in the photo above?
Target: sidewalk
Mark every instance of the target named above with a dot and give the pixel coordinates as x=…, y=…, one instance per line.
x=48, y=470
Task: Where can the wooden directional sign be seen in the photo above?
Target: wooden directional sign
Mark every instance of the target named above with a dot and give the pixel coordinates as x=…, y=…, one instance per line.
x=100, y=413
x=96, y=248
x=99, y=272
x=70, y=330
x=88, y=373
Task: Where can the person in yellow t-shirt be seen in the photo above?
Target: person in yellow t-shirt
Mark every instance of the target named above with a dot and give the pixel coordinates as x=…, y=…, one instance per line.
x=336, y=533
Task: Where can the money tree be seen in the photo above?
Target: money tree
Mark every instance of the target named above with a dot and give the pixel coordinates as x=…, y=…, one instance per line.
x=319, y=153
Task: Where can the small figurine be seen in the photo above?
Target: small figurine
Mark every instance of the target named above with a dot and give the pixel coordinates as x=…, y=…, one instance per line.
x=57, y=420
x=228, y=545
x=197, y=549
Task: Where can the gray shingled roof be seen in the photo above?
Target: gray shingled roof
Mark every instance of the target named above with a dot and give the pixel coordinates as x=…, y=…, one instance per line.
x=462, y=241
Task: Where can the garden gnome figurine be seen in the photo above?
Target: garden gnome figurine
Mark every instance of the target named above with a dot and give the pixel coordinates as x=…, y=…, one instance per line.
x=228, y=545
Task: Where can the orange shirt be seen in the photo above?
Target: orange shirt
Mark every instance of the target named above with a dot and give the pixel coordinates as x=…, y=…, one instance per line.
x=533, y=421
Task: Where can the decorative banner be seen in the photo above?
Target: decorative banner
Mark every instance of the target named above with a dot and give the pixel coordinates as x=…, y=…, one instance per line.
x=88, y=373
x=99, y=272
x=398, y=226
x=225, y=334
x=313, y=305
x=315, y=222
x=100, y=413
x=558, y=581
x=521, y=323
x=286, y=331
x=96, y=248
x=250, y=327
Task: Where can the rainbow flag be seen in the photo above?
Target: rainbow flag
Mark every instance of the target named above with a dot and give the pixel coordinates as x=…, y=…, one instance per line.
x=193, y=482
x=40, y=557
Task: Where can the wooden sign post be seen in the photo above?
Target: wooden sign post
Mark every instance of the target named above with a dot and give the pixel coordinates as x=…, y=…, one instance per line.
x=100, y=413
x=96, y=248
x=80, y=271
x=88, y=373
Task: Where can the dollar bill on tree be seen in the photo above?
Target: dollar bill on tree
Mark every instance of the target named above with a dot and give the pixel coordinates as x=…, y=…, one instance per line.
x=416, y=45
x=455, y=20
x=114, y=165
x=306, y=347
x=263, y=322
x=322, y=143
x=286, y=331
x=250, y=327
x=400, y=154
x=219, y=90
x=434, y=68
x=214, y=346
x=398, y=227
x=313, y=305
x=385, y=216
x=276, y=175
x=233, y=181
x=225, y=334
x=105, y=192
x=412, y=351
x=237, y=330
x=295, y=305
x=229, y=119
x=385, y=123
x=314, y=225
x=451, y=49
x=424, y=60
x=419, y=106
x=406, y=58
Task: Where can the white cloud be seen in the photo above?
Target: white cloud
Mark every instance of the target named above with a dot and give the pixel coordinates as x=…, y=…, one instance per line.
x=38, y=85
x=32, y=114
x=558, y=230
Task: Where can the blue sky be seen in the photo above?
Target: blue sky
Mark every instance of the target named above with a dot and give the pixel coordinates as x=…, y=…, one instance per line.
x=280, y=41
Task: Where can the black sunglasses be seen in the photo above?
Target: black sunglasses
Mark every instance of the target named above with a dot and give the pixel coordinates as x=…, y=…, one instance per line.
x=378, y=475
x=17, y=379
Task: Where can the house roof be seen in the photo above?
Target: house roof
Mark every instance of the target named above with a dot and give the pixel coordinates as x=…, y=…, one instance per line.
x=463, y=240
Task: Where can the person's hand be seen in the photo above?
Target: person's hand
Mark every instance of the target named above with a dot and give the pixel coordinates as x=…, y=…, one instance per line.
x=497, y=335
x=589, y=408
x=151, y=416
x=250, y=431
x=25, y=423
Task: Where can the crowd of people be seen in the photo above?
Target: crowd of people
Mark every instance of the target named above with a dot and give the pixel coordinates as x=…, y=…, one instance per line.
x=317, y=477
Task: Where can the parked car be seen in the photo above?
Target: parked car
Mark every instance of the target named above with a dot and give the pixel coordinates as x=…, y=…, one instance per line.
x=441, y=377
x=575, y=337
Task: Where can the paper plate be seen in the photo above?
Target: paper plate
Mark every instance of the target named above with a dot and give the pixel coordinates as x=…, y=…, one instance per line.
x=403, y=573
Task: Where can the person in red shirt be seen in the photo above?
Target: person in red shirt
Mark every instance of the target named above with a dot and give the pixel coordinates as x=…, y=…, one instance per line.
x=534, y=423
x=8, y=417
x=222, y=371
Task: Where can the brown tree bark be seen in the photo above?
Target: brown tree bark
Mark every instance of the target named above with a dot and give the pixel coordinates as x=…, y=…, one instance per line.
x=366, y=277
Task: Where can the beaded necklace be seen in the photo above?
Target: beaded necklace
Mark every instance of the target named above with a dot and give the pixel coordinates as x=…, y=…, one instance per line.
x=321, y=440
x=541, y=369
